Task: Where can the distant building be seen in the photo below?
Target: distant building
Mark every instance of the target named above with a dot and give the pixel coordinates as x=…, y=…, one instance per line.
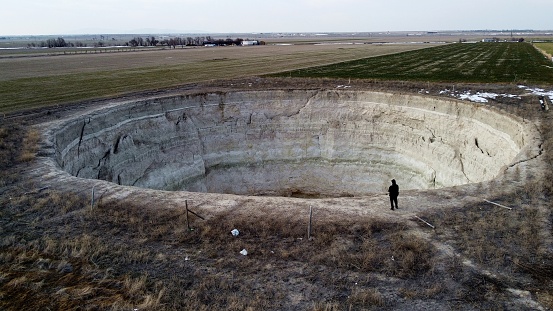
x=244, y=43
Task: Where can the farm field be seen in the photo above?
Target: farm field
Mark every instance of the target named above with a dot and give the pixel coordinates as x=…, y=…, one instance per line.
x=545, y=46
x=475, y=62
x=30, y=82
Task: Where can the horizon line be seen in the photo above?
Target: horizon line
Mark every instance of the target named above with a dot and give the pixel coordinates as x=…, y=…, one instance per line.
x=161, y=32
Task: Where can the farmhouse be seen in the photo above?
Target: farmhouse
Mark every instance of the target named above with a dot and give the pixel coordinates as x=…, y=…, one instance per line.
x=250, y=42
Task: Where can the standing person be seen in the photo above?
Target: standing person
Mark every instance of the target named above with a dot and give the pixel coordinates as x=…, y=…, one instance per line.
x=394, y=192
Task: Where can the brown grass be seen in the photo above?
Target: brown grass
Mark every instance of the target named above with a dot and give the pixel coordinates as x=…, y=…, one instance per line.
x=75, y=256
x=289, y=56
x=30, y=146
x=32, y=82
x=367, y=297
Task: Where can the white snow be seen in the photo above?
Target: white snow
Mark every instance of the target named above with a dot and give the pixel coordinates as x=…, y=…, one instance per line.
x=483, y=97
x=537, y=91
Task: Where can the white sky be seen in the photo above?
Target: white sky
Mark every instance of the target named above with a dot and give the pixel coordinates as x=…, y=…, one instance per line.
x=24, y=17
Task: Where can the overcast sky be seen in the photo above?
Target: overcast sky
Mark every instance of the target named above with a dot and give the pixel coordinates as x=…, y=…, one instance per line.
x=23, y=17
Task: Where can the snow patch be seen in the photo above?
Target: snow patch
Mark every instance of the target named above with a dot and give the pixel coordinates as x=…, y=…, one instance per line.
x=537, y=91
x=483, y=97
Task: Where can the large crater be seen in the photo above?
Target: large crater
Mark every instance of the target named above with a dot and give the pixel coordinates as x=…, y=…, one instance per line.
x=288, y=143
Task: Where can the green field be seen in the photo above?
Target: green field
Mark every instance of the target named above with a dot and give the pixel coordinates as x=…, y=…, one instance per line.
x=478, y=62
x=545, y=46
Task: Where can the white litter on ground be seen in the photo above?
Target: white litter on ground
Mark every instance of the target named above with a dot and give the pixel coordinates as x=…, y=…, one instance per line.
x=244, y=252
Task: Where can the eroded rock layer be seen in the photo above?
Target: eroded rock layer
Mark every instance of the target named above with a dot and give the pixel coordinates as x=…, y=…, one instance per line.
x=320, y=143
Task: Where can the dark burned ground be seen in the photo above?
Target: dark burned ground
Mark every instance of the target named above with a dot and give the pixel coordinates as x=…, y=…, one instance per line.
x=58, y=253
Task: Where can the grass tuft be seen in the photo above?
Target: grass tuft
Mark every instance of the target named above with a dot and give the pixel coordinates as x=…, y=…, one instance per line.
x=30, y=146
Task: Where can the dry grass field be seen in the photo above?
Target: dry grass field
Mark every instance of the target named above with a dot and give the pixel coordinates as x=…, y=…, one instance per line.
x=30, y=82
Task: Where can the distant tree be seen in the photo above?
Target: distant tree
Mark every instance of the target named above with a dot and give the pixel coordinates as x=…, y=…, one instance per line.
x=136, y=41
x=60, y=42
x=55, y=43
x=172, y=42
x=153, y=41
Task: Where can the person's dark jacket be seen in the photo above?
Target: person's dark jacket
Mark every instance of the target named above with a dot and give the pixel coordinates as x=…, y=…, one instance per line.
x=393, y=190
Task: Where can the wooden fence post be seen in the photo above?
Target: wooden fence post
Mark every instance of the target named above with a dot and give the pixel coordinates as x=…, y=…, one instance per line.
x=187, y=223
x=92, y=199
x=310, y=223
x=191, y=212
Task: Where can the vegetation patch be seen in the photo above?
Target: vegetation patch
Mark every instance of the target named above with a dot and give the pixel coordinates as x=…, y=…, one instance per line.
x=31, y=82
x=547, y=47
x=57, y=253
x=504, y=62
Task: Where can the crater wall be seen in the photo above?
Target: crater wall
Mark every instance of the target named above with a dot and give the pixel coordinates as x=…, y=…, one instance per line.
x=306, y=143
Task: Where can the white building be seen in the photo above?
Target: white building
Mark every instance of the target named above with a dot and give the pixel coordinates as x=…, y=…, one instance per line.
x=250, y=42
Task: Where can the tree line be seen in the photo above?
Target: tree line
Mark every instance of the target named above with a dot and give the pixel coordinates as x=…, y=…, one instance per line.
x=56, y=43
x=148, y=41
x=182, y=41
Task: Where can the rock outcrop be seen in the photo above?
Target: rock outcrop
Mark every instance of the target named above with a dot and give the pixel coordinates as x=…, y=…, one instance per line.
x=312, y=143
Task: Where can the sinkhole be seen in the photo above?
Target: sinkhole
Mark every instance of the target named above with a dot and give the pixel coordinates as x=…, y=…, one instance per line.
x=310, y=143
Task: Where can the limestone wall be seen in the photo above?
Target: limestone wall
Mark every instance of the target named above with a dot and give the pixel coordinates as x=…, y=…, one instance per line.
x=290, y=142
